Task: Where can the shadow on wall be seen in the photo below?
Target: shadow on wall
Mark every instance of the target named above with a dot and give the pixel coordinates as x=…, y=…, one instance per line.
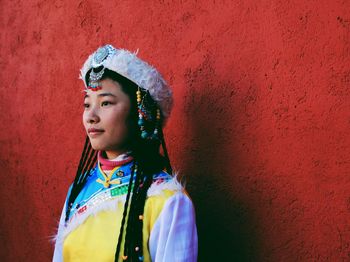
x=226, y=225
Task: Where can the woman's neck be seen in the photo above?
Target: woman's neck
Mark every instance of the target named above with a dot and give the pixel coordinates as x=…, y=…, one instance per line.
x=112, y=154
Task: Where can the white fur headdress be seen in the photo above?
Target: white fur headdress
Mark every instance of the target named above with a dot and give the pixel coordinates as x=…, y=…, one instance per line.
x=133, y=68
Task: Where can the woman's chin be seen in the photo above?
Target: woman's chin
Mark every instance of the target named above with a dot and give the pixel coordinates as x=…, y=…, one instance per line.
x=96, y=146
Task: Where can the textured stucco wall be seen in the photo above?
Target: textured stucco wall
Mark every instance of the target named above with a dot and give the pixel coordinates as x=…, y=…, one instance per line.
x=260, y=124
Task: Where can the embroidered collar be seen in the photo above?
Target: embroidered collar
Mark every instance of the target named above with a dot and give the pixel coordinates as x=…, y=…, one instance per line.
x=107, y=179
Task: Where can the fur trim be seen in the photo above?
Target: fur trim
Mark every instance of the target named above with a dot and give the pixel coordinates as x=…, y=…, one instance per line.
x=77, y=220
x=171, y=184
x=54, y=238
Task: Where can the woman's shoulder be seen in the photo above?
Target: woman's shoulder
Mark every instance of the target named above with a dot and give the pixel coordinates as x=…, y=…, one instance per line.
x=165, y=198
x=165, y=185
x=166, y=188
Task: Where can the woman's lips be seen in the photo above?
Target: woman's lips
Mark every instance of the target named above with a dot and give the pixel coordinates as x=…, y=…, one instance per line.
x=95, y=131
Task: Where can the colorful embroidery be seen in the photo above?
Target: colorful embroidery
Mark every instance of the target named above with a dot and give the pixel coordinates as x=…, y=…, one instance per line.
x=108, y=177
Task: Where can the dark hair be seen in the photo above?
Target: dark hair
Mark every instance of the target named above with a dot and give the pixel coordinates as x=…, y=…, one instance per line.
x=147, y=161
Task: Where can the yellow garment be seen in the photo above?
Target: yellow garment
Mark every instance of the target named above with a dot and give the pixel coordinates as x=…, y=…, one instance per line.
x=96, y=238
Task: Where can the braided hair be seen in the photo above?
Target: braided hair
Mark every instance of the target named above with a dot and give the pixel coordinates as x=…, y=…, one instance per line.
x=147, y=161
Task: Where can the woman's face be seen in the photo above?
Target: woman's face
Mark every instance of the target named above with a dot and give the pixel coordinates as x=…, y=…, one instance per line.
x=105, y=118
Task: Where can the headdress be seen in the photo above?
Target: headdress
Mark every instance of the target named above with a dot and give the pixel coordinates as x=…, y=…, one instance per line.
x=131, y=67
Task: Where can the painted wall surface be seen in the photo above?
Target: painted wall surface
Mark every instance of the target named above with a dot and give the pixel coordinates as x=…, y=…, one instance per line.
x=260, y=125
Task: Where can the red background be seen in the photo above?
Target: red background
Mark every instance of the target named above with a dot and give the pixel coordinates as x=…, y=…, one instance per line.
x=260, y=124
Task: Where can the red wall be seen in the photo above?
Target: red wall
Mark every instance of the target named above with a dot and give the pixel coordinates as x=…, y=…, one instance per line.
x=260, y=124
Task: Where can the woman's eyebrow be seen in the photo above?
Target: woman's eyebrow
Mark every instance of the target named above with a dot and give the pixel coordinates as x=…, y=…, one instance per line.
x=106, y=94
x=101, y=95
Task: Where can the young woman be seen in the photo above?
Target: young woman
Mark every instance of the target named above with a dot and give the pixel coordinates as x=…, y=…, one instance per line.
x=124, y=204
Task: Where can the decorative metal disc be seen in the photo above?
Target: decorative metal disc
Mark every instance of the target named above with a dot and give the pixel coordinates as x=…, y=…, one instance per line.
x=101, y=55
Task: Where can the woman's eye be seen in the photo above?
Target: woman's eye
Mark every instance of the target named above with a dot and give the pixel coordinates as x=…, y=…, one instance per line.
x=86, y=105
x=105, y=103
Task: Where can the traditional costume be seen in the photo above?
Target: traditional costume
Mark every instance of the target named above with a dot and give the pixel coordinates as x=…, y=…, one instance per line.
x=91, y=230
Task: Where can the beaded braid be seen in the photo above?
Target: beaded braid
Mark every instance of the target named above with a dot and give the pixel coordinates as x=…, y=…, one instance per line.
x=165, y=152
x=130, y=228
x=126, y=204
x=136, y=243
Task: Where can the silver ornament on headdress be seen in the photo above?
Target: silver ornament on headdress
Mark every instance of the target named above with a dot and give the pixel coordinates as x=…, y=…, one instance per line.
x=97, y=61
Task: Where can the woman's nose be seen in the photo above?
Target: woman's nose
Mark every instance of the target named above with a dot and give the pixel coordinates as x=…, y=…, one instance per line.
x=92, y=116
